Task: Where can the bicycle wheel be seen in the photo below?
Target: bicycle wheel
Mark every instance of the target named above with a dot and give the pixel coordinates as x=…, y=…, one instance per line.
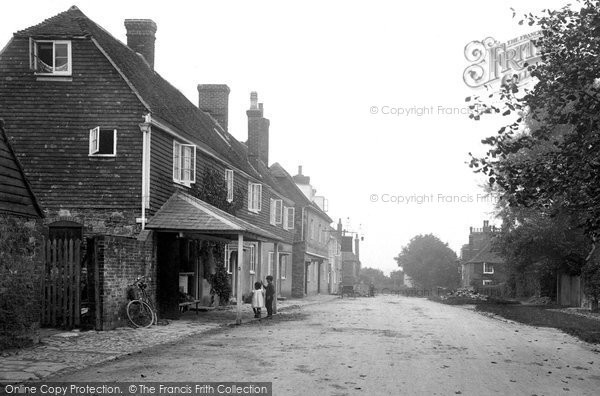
x=385, y=291
x=140, y=314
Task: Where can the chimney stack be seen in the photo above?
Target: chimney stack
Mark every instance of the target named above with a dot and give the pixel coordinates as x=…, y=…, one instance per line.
x=356, y=250
x=339, y=227
x=141, y=37
x=300, y=178
x=258, y=131
x=486, y=226
x=214, y=100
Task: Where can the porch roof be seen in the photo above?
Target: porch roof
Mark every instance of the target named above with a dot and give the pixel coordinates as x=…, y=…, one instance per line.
x=184, y=213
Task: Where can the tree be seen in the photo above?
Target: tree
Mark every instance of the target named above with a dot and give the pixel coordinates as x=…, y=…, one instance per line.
x=373, y=275
x=429, y=262
x=532, y=242
x=548, y=158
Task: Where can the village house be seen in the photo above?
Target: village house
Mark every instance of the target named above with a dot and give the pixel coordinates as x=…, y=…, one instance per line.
x=310, y=258
x=151, y=183
x=480, y=264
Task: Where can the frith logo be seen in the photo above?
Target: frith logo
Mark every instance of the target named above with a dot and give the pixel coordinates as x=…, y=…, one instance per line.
x=492, y=61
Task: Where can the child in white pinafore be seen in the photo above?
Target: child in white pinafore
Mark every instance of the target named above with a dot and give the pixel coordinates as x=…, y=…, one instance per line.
x=258, y=299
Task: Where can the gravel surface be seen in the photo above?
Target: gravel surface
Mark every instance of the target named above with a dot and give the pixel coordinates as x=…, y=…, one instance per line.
x=385, y=345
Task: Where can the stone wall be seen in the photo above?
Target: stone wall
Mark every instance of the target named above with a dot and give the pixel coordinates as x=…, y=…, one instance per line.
x=21, y=265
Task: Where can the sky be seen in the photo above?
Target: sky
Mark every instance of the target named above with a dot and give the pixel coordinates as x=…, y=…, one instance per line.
x=330, y=75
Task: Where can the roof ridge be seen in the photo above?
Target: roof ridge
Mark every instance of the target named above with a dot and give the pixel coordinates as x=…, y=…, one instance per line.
x=74, y=12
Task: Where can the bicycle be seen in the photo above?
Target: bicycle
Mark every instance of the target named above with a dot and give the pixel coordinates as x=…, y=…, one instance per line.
x=140, y=311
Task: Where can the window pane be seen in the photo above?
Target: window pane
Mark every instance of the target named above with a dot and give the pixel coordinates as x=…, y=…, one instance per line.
x=61, y=57
x=107, y=142
x=61, y=50
x=45, y=53
x=61, y=64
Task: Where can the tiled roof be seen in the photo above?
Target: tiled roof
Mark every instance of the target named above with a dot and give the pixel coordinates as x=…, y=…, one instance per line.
x=183, y=212
x=487, y=255
x=164, y=101
x=286, y=183
x=16, y=197
x=67, y=24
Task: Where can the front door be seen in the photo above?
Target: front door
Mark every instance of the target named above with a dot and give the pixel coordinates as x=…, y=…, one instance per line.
x=319, y=277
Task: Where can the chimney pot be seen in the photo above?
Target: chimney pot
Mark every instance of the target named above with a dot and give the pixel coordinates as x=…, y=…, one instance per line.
x=300, y=170
x=141, y=37
x=253, y=100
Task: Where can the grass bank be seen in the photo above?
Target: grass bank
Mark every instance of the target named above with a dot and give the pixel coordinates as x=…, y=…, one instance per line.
x=542, y=316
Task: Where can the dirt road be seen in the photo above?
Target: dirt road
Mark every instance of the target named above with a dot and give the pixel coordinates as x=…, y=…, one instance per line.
x=385, y=345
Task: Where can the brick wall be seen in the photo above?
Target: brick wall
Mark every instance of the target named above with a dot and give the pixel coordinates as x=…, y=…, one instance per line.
x=99, y=221
x=298, y=271
x=120, y=261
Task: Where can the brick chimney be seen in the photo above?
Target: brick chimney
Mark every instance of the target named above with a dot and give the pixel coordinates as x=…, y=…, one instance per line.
x=356, y=249
x=141, y=37
x=258, y=131
x=214, y=100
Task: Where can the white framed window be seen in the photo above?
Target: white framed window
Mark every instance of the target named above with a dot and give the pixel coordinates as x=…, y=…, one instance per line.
x=487, y=282
x=226, y=262
x=270, y=263
x=184, y=163
x=229, y=182
x=254, y=197
x=488, y=268
x=276, y=211
x=252, y=257
x=283, y=264
x=250, y=260
x=103, y=142
x=272, y=211
x=288, y=218
x=51, y=57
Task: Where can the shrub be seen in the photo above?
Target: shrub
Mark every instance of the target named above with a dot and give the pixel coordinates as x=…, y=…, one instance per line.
x=220, y=284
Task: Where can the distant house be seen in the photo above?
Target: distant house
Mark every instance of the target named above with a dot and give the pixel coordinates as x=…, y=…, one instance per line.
x=310, y=258
x=480, y=264
x=350, y=260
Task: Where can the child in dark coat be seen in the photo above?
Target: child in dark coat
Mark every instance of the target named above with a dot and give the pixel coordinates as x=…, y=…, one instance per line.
x=270, y=296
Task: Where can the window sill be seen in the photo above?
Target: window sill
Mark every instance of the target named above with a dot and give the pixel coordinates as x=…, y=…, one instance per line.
x=182, y=183
x=255, y=211
x=52, y=77
x=252, y=272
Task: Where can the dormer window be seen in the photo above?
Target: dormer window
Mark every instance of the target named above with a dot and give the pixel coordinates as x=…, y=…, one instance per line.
x=52, y=57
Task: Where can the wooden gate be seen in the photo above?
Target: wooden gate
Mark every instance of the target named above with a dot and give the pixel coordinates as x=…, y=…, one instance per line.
x=61, y=283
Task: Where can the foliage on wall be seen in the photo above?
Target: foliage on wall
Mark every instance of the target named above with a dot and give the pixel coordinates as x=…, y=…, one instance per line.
x=212, y=189
x=20, y=270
